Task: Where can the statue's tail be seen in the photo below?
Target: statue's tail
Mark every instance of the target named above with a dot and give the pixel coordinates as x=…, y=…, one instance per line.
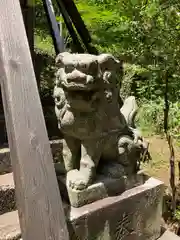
x=129, y=110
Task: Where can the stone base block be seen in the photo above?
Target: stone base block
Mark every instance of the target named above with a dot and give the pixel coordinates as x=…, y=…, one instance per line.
x=167, y=235
x=102, y=188
x=132, y=215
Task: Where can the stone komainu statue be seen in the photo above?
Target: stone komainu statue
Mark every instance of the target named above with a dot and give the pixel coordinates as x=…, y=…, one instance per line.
x=98, y=134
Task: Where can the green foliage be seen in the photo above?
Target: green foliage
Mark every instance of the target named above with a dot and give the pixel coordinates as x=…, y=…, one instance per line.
x=47, y=73
x=177, y=214
x=151, y=117
x=146, y=35
x=135, y=81
x=143, y=33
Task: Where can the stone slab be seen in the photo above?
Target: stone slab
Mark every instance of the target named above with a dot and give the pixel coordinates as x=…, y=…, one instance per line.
x=9, y=226
x=167, y=235
x=7, y=193
x=102, y=188
x=132, y=215
x=10, y=229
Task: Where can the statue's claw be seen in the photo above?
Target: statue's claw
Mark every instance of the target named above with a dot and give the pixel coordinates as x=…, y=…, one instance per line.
x=76, y=180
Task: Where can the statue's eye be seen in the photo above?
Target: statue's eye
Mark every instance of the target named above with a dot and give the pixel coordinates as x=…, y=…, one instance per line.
x=69, y=68
x=82, y=67
x=93, y=68
x=58, y=99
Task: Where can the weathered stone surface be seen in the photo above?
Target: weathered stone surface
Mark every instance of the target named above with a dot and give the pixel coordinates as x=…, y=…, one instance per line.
x=7, y=193
x=103, y=187
x=5, y=162
x=167, y=235
x=9, y=226
x=56, y=148
x=95, y=127
x=133, y=215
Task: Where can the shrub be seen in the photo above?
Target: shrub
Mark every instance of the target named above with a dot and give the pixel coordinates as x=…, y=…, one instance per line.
x=151, y=117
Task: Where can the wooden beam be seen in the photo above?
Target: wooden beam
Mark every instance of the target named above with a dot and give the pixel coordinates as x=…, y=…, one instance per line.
x=69, y=25
x=77, y=20
x=71, y=15
x=38, y=199
x=54, y=28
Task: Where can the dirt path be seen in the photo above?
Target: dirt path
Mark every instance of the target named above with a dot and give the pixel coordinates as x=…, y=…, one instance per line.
x=159, y=166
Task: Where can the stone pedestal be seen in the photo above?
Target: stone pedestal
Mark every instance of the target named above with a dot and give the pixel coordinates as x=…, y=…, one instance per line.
x=103, y=187
x=132, y=215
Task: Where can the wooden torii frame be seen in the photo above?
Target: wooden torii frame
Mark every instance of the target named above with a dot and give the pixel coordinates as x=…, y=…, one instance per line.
x=38, y=198
x=75, y=25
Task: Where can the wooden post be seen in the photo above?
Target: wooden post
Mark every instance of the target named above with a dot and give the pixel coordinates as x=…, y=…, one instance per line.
x=38, y=199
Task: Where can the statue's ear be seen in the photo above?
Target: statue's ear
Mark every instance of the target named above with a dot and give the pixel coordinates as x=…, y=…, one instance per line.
x=108, y=63
x=60, y=59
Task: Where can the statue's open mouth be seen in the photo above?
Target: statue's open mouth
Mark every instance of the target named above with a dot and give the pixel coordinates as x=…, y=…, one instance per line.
x=87, y=83
x=86, y=96
x=79, y=86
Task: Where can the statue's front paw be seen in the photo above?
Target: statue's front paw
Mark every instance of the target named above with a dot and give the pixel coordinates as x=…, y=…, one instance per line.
x=76, y=180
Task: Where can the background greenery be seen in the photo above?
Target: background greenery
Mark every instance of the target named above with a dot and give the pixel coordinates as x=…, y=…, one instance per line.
x=146, y=35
